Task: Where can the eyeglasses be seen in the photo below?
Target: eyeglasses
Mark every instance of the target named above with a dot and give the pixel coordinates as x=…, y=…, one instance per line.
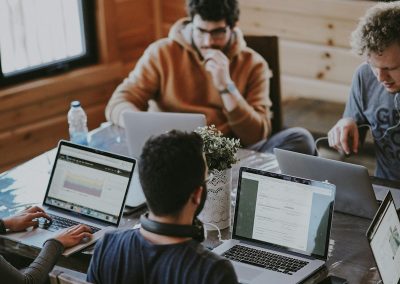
x=215, y=34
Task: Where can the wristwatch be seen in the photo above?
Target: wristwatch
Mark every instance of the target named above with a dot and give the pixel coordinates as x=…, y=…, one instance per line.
x=230, y=89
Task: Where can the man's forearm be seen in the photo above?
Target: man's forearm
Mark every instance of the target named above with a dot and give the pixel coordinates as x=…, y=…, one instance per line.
x=114, y=111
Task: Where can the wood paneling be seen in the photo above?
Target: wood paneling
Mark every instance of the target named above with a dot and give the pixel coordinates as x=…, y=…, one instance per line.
x=315, y=51
x=293, y=86
x=33, y=139
x=107, y=21
x=325, y=63
x=31, y=113
x=339, y=9
x=135, y=28
x=39, y=90
x=297, y=27
x=157, y=18
x=172, y=11
x=36, y=113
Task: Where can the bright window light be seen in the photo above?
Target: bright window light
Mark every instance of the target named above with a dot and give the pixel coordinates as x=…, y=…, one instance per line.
x=36, y=33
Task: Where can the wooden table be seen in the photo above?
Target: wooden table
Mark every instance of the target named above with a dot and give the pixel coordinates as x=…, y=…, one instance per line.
x=350, y=256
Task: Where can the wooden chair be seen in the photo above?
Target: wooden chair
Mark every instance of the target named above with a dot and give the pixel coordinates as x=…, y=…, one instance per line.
x=268, y=47
x=61, y=275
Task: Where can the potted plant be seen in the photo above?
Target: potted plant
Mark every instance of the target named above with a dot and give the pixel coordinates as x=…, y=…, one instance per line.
x=220, y=154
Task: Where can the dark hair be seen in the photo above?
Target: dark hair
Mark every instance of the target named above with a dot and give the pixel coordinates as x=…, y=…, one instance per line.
x=171, y=167
x=214, y=10
x=378, y=29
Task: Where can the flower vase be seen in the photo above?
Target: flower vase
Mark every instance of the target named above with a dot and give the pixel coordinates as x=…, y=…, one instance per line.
x=217, y=208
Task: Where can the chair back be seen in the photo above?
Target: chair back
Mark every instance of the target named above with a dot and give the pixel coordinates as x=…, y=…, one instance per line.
x=61, y=275
x=268, y=47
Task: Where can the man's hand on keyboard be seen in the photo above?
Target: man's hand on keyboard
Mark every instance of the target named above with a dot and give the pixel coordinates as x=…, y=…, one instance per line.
x=74, y=235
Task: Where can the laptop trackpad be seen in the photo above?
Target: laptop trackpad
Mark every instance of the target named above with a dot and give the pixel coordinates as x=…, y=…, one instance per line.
x=245, y=273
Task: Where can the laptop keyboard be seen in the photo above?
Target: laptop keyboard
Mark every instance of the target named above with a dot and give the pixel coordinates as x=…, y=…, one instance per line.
x=61, y=223
x=264, y=259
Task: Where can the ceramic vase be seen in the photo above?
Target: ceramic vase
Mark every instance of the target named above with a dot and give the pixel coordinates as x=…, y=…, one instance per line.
x=217, y=208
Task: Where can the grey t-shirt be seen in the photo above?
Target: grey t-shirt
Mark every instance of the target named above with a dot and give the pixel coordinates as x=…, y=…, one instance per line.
x=370, y=103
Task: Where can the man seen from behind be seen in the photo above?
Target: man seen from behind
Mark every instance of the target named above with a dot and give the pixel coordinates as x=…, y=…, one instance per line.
x=166, y=249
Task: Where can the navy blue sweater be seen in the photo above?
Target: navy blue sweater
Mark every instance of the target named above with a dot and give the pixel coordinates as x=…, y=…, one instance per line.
x=126, y=257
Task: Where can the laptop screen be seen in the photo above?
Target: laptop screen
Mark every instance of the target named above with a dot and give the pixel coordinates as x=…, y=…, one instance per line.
x=384, y=239
x=284, y=211
x=89, y=182
x=141, y=125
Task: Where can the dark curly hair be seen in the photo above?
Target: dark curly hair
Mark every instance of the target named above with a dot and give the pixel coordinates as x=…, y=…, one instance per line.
x=378, y=29
x=171, y=167
x=214, y=10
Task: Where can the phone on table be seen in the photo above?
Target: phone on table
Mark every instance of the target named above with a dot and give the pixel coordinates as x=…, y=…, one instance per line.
x=331, y=279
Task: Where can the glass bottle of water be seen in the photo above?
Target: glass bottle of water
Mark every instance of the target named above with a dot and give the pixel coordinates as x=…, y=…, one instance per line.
x=77, y=121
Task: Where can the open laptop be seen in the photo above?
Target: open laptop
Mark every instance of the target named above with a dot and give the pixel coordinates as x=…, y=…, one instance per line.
x=86, y=186
x=281, y=228
x=384, y=239
x=354, y=192
x=140, y=126
x=381, y=187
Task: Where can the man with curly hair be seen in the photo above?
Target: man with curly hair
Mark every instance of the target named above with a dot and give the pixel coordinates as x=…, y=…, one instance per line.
x=205, y=67
x=374, y=100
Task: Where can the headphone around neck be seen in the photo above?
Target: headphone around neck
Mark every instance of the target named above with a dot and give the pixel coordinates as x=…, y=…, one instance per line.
x=195, y=231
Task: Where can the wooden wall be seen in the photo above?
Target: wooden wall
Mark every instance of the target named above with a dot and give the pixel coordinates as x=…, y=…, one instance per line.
x=315, y=59
x=315, y=53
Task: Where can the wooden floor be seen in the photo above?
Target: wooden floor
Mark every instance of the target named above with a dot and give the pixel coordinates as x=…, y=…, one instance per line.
x=318, y=117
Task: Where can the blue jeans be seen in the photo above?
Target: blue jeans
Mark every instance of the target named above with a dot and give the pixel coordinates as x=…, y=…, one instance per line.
x=294, y=139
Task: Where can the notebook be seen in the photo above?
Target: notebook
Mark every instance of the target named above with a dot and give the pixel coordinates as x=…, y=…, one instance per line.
x=281, y=227
x=384, y=239
x=354, y=192
x=140, y=126
x=86, y=186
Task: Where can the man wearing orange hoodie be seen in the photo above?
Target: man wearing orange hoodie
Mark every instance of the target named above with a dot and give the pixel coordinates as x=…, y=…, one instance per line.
x=205, y=67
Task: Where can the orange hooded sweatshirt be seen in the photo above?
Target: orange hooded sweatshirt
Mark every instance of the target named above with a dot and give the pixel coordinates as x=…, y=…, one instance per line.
x=171, y=72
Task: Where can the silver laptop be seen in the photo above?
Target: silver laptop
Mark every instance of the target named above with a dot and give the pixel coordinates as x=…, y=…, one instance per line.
x=354, y=192
x=140, y=126
x=381, y=187
x=86, y=186
x=384, y=239
x=281, y=228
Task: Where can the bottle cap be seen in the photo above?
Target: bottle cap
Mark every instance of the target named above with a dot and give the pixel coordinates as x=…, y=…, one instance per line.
x=75, y=104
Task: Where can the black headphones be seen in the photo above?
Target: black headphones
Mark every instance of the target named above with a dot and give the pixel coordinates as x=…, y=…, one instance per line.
x=195, y=231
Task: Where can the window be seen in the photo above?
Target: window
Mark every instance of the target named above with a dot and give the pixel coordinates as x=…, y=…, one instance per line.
x=44, y=37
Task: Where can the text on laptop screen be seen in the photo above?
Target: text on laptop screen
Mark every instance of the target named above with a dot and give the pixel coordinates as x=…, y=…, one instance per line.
x=284, y=213
x=88, y=183
x=385, y=243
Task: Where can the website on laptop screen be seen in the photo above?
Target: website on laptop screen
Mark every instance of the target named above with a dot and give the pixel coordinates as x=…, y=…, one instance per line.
x=89, y=183
x=285, y=213
x=385, y=243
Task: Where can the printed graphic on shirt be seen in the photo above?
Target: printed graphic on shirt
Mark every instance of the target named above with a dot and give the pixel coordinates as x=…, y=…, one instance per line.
x=387, y=132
